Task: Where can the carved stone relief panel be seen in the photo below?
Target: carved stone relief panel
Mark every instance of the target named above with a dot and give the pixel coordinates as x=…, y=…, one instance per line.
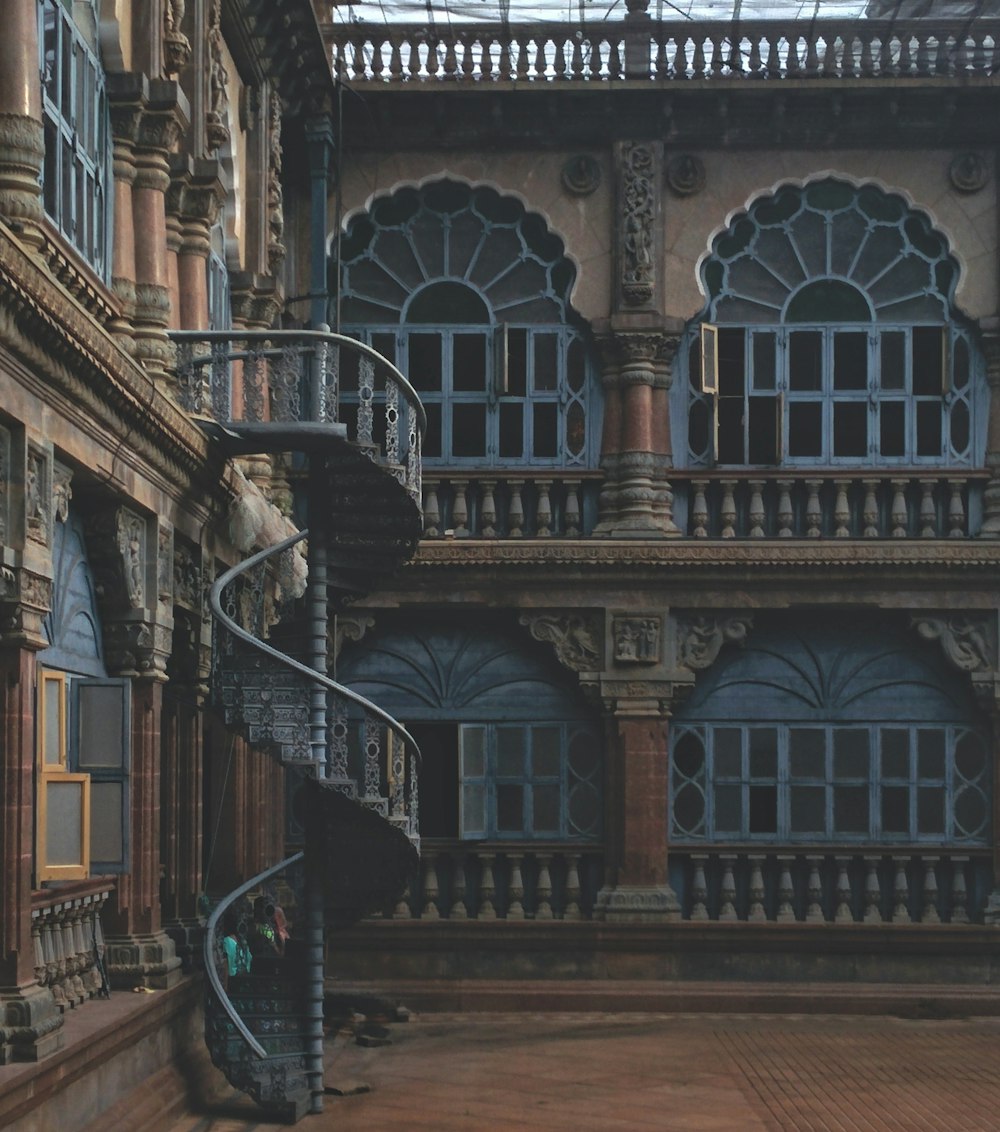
x=217, y=120
x=700, y=637
x=176, y=46
x=165, y=562
x=575, y=637
x=188, y=587
x=5, y=477
x=38, y=495
x=636, y=639
x=637, y=220
x=62, y=491
x=116, y=543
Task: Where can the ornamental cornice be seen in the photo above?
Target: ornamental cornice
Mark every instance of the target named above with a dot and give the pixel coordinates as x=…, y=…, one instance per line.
x=68, y=353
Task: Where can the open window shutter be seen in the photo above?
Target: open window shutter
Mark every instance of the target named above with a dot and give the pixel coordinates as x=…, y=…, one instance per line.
x=472, y=803
x=102, y=734
x=709, y=358
x=62, y=830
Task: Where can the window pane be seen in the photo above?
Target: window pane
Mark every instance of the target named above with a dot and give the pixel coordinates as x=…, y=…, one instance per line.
x=850, y=428
x=763, y=809
x=576, y=368
x=473, y=741
x=892, y=428
x=546, y=752
x=469, y=363
x=473, y=808
x=808, y=809
x=545, y=809
x=576, y=430
x=732, y=367
x=102, y=743
x=511, y=430
x=689, y=755
x=424, y=366
x=807, y=752
x=386, y=345
x=546, y=361
x=431, y=446
x=63, y=822
x=930, y=810
x=850, y=809
x=52, y=690
x=805, y=360
x=930, y=753
x=895, y=809
x=517, y=362
x=545, y=439
x=468, y=430
x=850, y=360
x=764, y=360
x=510, y=808
x=892, y=359
x=728, y=809
x=970, y=756
x=584, y=810
x=763, y=430
x=850, y=753
x=689, y=808
x=763, y=752
x=510, y=752
x=895, y=753
x=805, y=428
x=928, y=359
x=584, y=755
x=730, y=435
x=928, y=428
x=106, y=821
x=959, y=427
x=970, y=812
x=728, y=747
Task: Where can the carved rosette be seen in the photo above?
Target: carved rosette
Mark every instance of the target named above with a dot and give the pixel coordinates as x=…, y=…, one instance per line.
x=701, y=636
x=638, y=223
x=575, y=637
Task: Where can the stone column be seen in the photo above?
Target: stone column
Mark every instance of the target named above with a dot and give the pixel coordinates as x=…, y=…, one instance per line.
x=256, y=303
x=126, y=114
x=196, y=194
x=637, y=888
x=32, y=1025
x=991, y=500
x=22, y=140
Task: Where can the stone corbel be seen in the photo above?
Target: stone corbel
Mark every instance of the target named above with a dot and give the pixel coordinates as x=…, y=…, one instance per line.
x=25, y=601
x=700, y=637
x=969, y=642
x=575, y=637
x=348, y=627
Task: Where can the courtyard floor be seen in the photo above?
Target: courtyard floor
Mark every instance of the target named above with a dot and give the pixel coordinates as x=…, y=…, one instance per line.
x=675, y=1073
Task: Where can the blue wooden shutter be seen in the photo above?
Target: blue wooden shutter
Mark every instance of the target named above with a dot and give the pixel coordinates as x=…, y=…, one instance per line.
x=101, y=722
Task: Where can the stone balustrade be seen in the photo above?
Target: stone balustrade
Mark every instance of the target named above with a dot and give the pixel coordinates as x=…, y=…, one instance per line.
x=868, y=504
x=68, y=940
x=666, y=51
x=932, y=886
x=502, y=880
x=525, y=505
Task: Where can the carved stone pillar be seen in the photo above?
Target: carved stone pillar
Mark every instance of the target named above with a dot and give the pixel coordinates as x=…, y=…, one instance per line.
x=991, y=501
x=256, y=303
x=22, y=141
x=196, y=194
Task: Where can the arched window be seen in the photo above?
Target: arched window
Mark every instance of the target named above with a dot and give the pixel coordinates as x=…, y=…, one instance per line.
x=469, y=294
x=839, y=733
x=76, y=171
x=830, y=337
x=509, y=748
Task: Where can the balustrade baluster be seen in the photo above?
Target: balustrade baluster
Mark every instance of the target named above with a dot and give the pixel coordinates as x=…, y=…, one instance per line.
x=572, y=909
x=757, y=913
x=559, y=59
x=873, y=893
x=828, y=68
x=785, y=513
x=867, y=66
x=402, y=911
x=458, y=908
x=844, y=913
x=699, y=887
x=959, y=894
x=460, y=509
x=432, y=510
x=727, y=890
x=515, y=887
x=515, y=510
x=488, y=510
x=39, y=950
x=699, y=508
x=756, y=513
x=614, y=59
x=487, y=887
x=900, y=513
x=576, y=61
x=450, y=59
x=905, y=65
x=812, y=56
x=960, y=55
x=901, y=892
x=774, y=56
x=814, y=891
x=543, y=510
x=956, y=510
x=543, y=888
x=928, y=510
x=728, y=512
x=814, y=512
x=754, y=65
x=842, y=509
x=698, y=60
x=929, y=913
x=79, y=952
x=923, y=54
x=572, y=512
x=869, y=514
x=786, y=890
x=395, y=59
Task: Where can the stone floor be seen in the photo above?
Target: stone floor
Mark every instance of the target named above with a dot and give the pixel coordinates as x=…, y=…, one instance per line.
x=674, y=1073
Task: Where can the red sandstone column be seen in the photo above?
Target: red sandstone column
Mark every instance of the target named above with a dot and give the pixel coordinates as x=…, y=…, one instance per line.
x=22, y=142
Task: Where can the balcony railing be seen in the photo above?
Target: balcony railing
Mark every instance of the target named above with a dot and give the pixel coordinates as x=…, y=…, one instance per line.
x=816, y=886
x=304, y=376
x=870, y=504
x=68, y=940
x=667, y=51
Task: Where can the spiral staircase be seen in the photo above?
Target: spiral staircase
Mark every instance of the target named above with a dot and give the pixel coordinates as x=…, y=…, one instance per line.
x=354, y=426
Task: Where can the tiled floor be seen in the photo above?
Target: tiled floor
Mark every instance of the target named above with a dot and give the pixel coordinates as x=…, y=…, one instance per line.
x=673, y=1073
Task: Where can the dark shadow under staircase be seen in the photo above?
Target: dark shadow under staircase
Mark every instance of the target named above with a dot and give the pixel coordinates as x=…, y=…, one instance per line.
x=355, y=425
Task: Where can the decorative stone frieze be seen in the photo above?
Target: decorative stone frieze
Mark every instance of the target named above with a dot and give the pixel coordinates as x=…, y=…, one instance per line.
x=969, y=642
x=700, y=637
x=636, y=639
x=575, y=637
x=164, y=562
x=638, y=209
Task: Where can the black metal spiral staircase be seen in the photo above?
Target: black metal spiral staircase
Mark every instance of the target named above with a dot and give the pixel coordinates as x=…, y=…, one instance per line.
x=356, y=424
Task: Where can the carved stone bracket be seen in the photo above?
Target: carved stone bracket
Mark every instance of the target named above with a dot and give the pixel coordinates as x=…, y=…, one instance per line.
x=575, y=637
x=700, y=637
x=25, y=600
x=969, y=643
x=350, y=627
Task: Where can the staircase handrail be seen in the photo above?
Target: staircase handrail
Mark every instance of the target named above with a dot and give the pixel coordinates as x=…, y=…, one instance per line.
x=213, y=975
x=318, y=336
x=215, y=600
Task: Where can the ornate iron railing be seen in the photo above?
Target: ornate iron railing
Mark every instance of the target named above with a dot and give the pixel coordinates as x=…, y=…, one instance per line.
x=667, y=51
x=316, y=376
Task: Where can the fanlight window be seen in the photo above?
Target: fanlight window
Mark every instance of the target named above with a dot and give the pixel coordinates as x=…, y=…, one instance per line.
x=829, y=337
x=469, y=295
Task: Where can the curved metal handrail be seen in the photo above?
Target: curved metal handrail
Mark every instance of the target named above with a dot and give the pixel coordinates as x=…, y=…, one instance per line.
x=215, y=600
x=213, y=975
x=318, y=336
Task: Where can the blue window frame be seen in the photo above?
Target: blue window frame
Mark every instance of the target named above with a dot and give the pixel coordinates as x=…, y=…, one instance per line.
x=469, y=295
x=76, y=171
